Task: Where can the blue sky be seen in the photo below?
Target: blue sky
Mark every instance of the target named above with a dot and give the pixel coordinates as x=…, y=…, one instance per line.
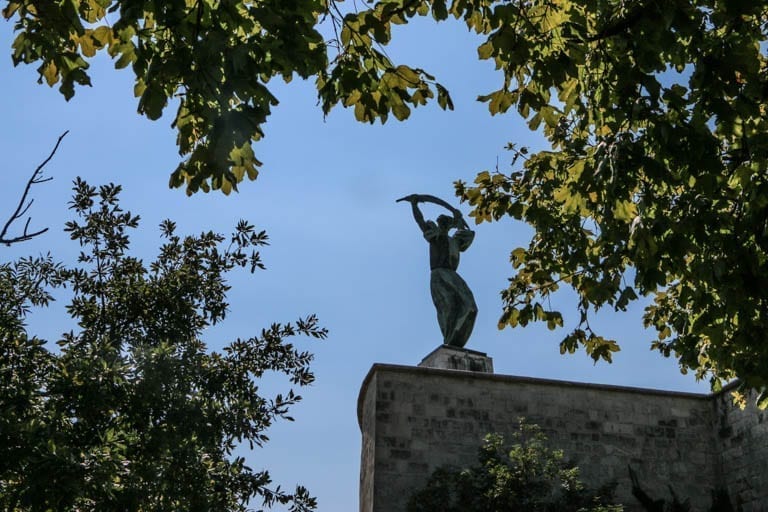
x=340, y=246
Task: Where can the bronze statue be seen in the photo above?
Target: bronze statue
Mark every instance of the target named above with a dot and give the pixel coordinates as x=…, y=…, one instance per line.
x=456, y=308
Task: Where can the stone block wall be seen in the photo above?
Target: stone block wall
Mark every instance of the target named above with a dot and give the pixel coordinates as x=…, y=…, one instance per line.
x=416, y=419
x=742, y=438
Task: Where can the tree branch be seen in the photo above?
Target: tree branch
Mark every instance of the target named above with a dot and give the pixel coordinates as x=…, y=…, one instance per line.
x=23, y=206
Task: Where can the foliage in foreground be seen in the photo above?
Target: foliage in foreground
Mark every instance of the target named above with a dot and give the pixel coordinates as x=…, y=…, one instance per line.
x=655, y=184
x=133, y=412
x=524, y=476
x=721, y=500
x=216, y=58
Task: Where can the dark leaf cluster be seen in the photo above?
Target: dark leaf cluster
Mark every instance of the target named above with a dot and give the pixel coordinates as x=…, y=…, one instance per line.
x=133, y=411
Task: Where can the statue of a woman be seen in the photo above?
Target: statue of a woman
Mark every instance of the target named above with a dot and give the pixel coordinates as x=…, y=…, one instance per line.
x=456, y=308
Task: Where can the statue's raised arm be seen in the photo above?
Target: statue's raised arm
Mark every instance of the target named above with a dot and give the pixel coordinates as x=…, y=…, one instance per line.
x=414, y=199
x=417, y=215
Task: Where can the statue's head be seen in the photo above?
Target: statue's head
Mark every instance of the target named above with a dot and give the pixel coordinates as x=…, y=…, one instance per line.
x=445, y=222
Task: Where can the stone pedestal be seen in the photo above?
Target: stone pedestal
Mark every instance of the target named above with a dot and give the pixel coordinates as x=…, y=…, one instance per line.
x=447, y=357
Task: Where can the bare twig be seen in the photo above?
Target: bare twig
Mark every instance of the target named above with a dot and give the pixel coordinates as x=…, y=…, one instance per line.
x=23, y=206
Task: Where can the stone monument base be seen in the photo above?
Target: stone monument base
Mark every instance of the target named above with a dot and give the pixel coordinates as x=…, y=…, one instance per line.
x=448, y=357
x=416, y=419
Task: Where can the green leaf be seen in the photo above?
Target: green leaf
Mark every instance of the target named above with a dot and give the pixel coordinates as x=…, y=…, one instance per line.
x=485, y=50
x=103, y=35
x=51, y=73
x=401, y=111
x=439, y=10
x=762, y=400
x=125, y=60
x=624, y=210
x=444, y=98
x=550, y=116
x=152, y=102
x=408, y=74
x=518, y=257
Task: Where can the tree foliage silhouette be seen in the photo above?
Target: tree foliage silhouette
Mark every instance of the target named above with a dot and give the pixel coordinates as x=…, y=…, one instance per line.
x=133, y=411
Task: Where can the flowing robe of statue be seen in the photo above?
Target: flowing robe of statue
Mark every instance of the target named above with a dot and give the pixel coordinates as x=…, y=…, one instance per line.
x=455, y=304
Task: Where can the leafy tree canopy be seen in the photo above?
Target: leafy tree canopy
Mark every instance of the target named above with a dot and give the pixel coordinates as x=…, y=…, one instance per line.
x=526, y=475
x=216, y=58
x=133, y=412
x=654, y=184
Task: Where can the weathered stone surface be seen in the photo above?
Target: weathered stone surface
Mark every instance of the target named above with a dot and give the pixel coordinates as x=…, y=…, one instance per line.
x=448, y=357
x=742, y=437
x=415, y=419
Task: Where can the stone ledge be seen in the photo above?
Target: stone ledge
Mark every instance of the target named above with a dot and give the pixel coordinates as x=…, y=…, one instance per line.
x=397, y=368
